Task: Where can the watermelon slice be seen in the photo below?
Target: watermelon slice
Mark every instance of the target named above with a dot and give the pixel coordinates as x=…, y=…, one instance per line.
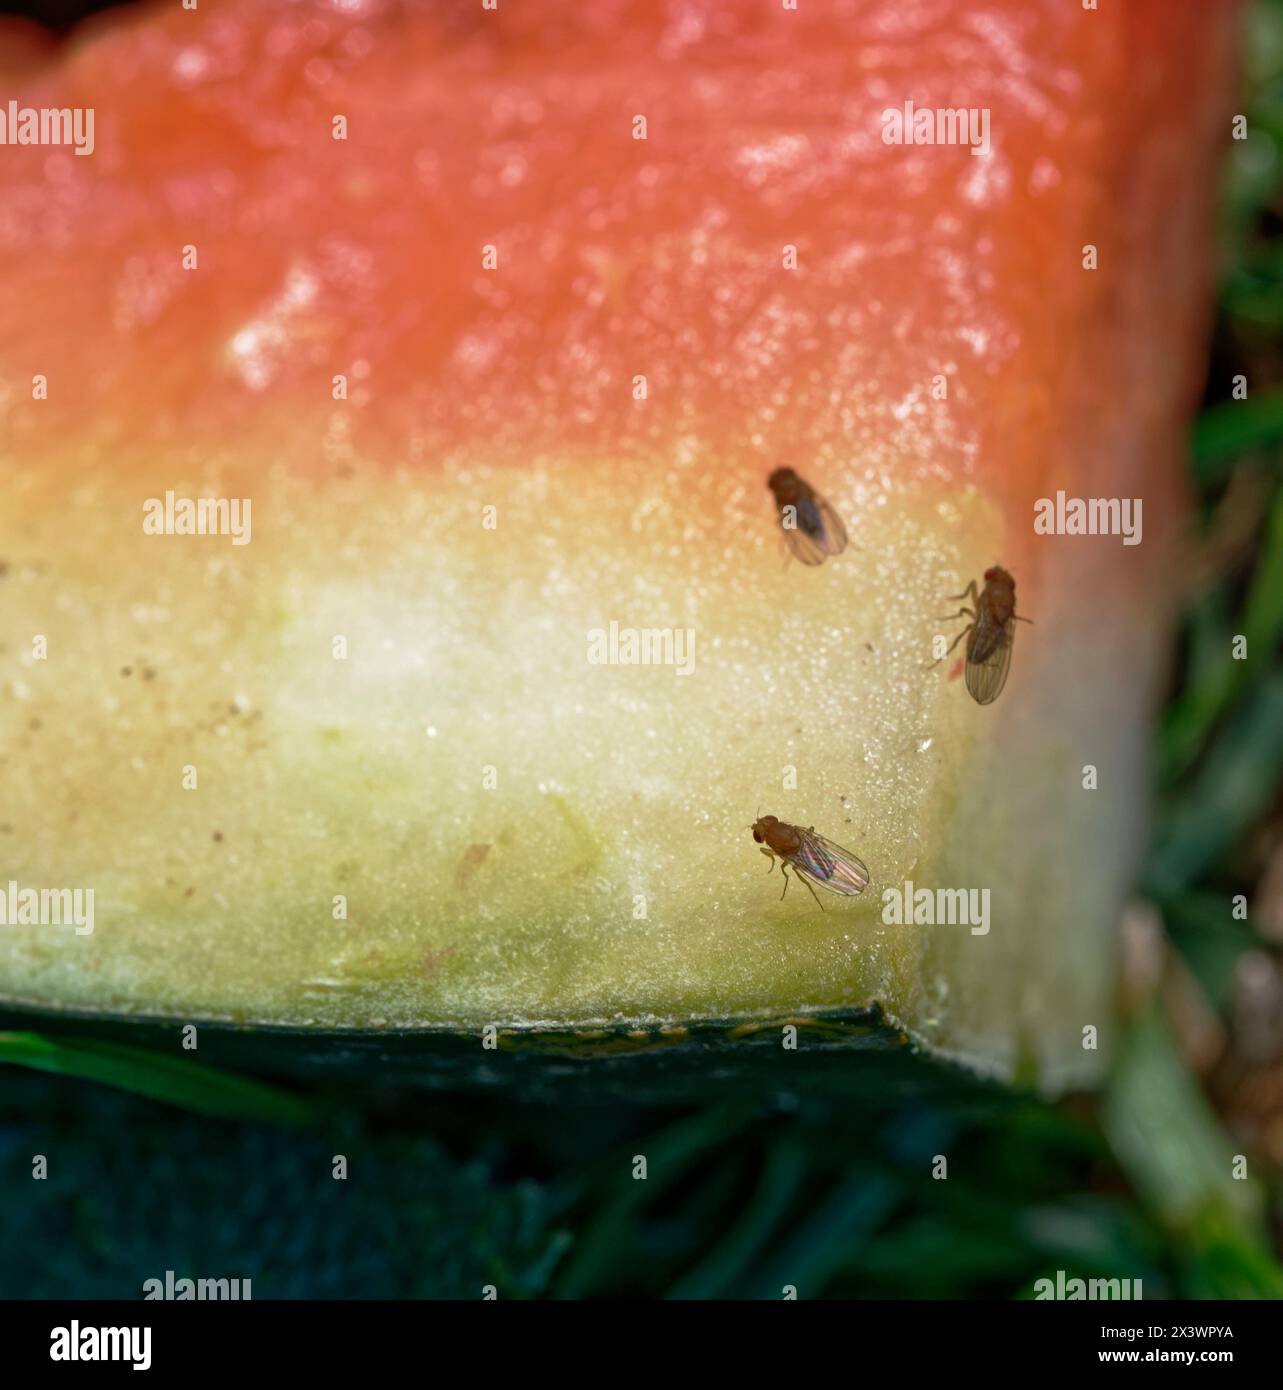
x=494, y=323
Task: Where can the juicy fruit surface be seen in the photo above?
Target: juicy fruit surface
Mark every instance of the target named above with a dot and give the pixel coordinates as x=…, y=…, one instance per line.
x=497, y=811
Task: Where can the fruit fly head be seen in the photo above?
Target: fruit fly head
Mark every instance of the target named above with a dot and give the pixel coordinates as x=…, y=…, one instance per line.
x=785, y=484
x=995, y=574
x=762, y=826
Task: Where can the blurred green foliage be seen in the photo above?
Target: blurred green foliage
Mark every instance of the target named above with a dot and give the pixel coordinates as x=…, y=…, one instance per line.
x=1220, y=745
x=740, y=1199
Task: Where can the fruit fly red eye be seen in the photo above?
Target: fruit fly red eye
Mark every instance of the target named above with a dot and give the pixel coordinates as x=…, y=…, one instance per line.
x=990, y=634
x=812, y=529
x=812, y=858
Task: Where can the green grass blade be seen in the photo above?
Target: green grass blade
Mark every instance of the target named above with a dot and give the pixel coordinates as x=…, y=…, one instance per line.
x=1234, y=787
x=1223, y=433
x=173, y=1080
x=717, y=1274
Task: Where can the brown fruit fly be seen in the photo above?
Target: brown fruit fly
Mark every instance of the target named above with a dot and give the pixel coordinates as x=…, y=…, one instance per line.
x=990, y=634
x=811, y=856
x=811, y=527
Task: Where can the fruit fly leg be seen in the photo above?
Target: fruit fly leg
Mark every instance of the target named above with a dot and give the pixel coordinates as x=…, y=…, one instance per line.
x=771, y=867
x=787, y=881
x=814, y=894
x=961, y=613
x=969, y=592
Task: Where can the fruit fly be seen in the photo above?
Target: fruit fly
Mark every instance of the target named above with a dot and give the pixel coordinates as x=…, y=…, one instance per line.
x=811, y=856
x=811, y=527
x=992, y=632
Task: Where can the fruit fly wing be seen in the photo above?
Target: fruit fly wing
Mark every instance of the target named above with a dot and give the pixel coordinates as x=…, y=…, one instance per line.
x=817, y=530
x=834, y=530
x=829, y=865
x=987, y=676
